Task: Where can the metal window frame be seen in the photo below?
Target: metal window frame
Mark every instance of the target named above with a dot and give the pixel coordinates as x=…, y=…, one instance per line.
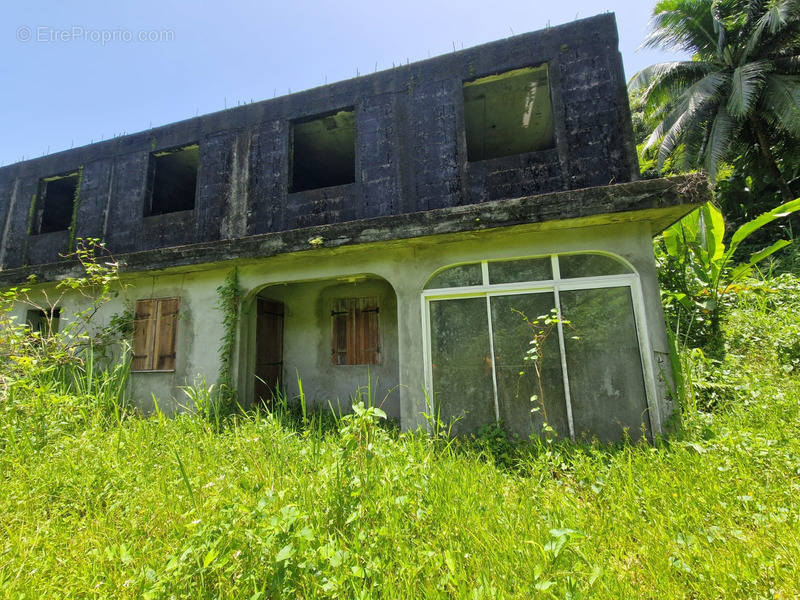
x=630, y=280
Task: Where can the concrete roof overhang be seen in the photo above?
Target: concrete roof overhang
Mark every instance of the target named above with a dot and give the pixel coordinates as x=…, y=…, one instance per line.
x=656, y=202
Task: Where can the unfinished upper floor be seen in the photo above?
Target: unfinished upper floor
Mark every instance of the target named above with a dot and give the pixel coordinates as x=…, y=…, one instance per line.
x=541, y=112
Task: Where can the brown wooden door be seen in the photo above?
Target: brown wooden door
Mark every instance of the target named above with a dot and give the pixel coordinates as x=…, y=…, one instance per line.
x=269, y=349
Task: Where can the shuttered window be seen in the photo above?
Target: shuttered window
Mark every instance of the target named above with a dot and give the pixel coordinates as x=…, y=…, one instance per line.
x=355, y=333
x=155, y=330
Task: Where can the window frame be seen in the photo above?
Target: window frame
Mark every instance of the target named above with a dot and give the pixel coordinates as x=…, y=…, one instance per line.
x=152, y=360
x=555, y=285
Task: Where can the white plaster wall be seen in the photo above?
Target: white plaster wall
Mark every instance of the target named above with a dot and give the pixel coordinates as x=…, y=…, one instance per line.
x=406, y=265
x=198, y=335
x=307, y=344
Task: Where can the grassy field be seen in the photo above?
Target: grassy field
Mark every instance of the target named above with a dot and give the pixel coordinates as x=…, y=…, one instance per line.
x=93, y=505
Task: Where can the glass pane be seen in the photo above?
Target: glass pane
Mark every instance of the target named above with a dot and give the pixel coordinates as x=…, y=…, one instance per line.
x=517, y=380
x=461, y=363
x=589, y=265
x=604, y=365
x=460, y=276
x=513, y=271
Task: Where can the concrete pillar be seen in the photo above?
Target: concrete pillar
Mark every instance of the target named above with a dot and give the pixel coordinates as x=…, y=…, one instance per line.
x=412, y=367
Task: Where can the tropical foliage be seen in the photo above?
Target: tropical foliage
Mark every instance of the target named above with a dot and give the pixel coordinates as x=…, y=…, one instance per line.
x=698, y=275
x=737, y=101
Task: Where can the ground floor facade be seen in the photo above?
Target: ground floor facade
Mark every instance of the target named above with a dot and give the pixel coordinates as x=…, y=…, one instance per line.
x=529, y=324
x=541, y=312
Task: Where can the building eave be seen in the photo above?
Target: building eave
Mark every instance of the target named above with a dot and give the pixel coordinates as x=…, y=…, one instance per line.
x=656, y=202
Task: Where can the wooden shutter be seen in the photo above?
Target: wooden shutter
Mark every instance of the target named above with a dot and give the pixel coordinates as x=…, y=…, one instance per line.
x=144, y=334
x=365, y=331
x=355, y=331
x=155, y=327
x=166, y=334
x=340, y=315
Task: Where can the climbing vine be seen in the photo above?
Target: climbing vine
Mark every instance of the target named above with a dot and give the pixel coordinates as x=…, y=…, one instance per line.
x=74, y=218
x=32, y=212
x=228, y=298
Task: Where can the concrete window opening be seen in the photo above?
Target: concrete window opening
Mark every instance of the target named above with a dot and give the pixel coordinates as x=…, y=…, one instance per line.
x=155, y=332
x=172, y=180
x=55, y=203
x=529, y=347
x=45, y=323
x=355, y=336
x=508, y=113
x=323, y=151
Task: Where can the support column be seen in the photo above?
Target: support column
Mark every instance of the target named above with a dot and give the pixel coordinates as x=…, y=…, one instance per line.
x=411, y=367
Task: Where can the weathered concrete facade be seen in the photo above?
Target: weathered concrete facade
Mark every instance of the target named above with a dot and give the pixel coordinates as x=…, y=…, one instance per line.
x=408, y=202
x=410, y=152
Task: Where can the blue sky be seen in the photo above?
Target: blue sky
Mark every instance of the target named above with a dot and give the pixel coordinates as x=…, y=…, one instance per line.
x=62, y=84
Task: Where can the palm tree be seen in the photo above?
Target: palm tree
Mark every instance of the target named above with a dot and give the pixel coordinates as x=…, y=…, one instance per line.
x=741, y=90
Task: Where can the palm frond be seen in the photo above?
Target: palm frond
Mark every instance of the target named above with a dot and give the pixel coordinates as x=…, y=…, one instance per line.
x=787, y=64
x=695, y=100
x=754, y=39
x=658, y=131
x=723, y=130
x=696, y=137
x=785, y=43
x=690, y=103
x=778, y=16
x=754, y=10
x=667, y=72
x=782, y=102
x=667, y=81
x=747, y=82
x=684, y=25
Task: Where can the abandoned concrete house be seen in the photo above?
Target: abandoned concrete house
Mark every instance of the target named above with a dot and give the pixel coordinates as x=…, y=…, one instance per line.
x=398, y=227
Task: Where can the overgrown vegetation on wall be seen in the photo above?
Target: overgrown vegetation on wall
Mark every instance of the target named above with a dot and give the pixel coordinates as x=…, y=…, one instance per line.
x=228, y=301
x=79, y=357
x=76, y=201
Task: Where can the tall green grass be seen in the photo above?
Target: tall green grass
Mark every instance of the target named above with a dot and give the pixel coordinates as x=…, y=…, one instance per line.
x=97, y=503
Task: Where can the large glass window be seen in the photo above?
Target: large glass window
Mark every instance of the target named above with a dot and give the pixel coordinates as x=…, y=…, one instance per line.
x=530, y=392
x=538, y=341
x=461, y=363
x=458, y=276
x=603, y=363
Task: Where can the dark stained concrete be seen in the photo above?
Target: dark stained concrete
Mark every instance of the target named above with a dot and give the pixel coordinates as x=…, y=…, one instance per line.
x=410, y=157
x=657, y=202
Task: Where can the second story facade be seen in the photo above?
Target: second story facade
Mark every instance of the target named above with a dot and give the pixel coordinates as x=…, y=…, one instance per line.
x=540, y=112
